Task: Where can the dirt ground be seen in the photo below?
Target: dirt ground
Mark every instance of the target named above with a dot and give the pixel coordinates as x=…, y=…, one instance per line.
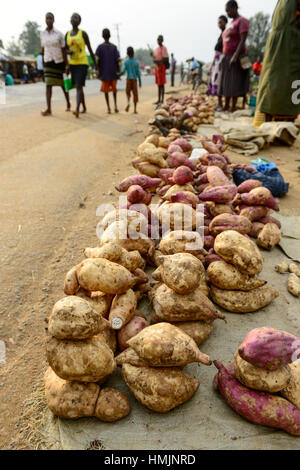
x=55, y=172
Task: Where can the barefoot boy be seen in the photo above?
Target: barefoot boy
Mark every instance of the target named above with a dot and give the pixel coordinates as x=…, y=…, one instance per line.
x=132, y=68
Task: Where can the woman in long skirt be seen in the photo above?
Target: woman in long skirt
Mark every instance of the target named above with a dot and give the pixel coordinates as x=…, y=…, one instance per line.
x=215, y=74
x=235, y=80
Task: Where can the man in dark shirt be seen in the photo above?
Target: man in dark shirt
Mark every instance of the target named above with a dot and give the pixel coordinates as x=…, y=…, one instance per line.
x=108, y=68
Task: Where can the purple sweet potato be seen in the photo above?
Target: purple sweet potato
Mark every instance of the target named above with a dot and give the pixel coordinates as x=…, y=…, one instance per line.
x=177, y=159
x=202, y=187
x=257, y=197
x=269, y=348
x=184, y=145
x=224, y=222
x=201, y=169
x=162, y=191
x=248, y=185
x=141, y=180
x=270, y=220
x=219, y=194
x=166, y=174
x=255, y=229
x=202, y=179
x=132, y=328
x=254, y=213
x=258, y=407
x=186, y=197
x=174, y=148
x=216, y=176
x=137, y=195
x=209, y=242
x=210, y=146
x=183, y=175
x=211, y=258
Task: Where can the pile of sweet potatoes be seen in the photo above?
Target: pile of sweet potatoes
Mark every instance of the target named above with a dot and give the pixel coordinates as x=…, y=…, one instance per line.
x=263, y=368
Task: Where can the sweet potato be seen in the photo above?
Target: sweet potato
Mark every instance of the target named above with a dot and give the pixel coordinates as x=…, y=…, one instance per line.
x=269, y=348
x=202, y=179
x=211, y=258
x=144, y=181
x=71, y=284
x=257, y=197
x=74, y=318
x=209, y=242
x=146, y=168
x=172, y=307
x=198, y=330
x=184, y=145
x=122, y=309
x=219, y=209
x=294, y=269
x=145, y=246
x=129, y=356
x=292, y=391
x=210, y=146
x=176, y=188
x=114, y=252
x=254, y=213
x=181, y=272
x=174, y=148
x=70, y=400
x=99, y=274
x=226, y=276
x=181, y=241
x=282, y=267
x=270, y=220
x=155, y=156
x=216, y=176
x=248, y=185
x=177, y=216
x=137, y=195
x=269, y=237
x=163, y=190
x=261, y=379
x=255, y=229
x=219, y=194
x=152, y=139
x=101, y=303
x=258, y=407
x=130, y=217
x=109, y=337
x=133, y=327
x=186, y=197
x=183, y=175
x=243, y=302
x=224, y=222
x=294, y=285
x=112, y=405
x=160, y=389
x=239, y=251
x=69, y=360
x=164, y=142
x=166, y=174
x=177, y=159
x=165, y=345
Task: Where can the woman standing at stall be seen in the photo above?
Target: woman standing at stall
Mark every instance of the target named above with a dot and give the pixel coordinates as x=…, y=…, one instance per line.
x=55, y=61
x=235, y=80
x=215, y=74
x=278, y=98
x=76, y=41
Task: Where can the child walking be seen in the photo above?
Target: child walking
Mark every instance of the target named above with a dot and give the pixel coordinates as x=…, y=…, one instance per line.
x=132, y=68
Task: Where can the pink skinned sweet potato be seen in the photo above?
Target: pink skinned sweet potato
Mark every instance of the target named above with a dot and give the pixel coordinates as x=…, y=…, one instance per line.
x=258, y=407
x=257, y=197
x=174, y=148
x=162, y=191
x=132, y=328
x=202, y=179
x=210, y=146
x=255, y=229
x=224, y=222
x=183, y=175
x=211, y=258
x=219, y=194
x=136, y=194
x=186, y=197
x=216, y=176
x=184, y=145
x=248, y=185
x=269, y=348
x=166, y=175
x=254, y=213
x=141, y=180
x=202, y=187
x=201, y=169
x=270, y=220
x=209, y=242
x=177, y=159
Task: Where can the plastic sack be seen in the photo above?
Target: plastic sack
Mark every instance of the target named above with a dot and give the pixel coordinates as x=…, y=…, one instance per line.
x=271, y=179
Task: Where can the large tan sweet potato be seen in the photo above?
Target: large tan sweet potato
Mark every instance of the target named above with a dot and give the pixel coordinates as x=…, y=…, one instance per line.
x=177, y=216
x=112, y=405
x=165, y=345
x=240, y=251
x=180, y=241
x=228, y=277
x=99, y=274
x=261, y=379
x=172, y=307
x=101, y=303
x=182, y=272
x=198, y=330
x=74, y=318
x=130, y=356
x=88, y=360
x=269, y=237
x=160, y=389
x=243, y=302
x=122, y=309
x=292, y=391
x=114, y=252
x=71, y=284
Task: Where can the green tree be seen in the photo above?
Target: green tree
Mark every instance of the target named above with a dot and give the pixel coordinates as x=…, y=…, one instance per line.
x=30, y=38
x=143, y=55
x=14, y=48
x=260, y=27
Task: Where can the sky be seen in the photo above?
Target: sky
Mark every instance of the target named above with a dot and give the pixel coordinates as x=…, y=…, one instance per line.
x=189, y=26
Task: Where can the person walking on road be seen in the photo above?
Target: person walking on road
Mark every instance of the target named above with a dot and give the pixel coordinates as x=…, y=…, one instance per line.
x=25, y=73
x=195, y=66
x=161, y=60
x=132, y=68
x=235, y=78
x=55, y=61
x=77, y=41
x=173, y=69
x=108, y=68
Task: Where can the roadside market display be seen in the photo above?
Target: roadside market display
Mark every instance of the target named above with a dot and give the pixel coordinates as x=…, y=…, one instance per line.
x=193, y=242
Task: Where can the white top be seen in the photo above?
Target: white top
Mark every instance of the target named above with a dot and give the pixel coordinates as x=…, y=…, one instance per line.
x=52, y=42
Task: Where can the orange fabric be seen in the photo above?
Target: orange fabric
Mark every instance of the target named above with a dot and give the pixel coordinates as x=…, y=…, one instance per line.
x=109, y=86
x=131, y=86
